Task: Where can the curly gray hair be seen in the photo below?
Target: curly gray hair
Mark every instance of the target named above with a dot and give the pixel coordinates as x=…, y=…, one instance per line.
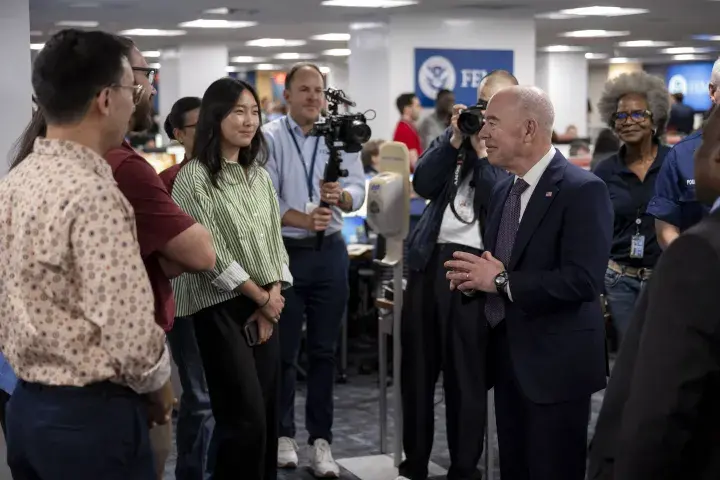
x=651, y=87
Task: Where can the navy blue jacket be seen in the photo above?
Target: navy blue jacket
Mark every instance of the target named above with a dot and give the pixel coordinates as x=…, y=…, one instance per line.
x=555, y=324
x=433, y=181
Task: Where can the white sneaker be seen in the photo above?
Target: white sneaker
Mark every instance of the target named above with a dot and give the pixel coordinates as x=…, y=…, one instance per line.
x=321, y=460
x=287, y=453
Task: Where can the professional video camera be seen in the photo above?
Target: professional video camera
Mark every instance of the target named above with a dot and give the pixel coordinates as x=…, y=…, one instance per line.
x=342, y=132
x=471, y=120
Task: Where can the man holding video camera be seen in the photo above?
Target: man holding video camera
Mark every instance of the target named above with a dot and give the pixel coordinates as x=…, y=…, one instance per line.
x=442, y=330
x=296, y=163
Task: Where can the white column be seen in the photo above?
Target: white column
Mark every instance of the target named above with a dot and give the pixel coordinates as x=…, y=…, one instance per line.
x=564, y=76
x=15, y=86
x=383, y=61
x=188, y=71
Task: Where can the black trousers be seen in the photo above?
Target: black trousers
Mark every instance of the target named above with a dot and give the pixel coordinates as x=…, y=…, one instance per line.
x=4, y=399
x=537, y=441
x=243, y=384
x=82, y=433
x=442, y=331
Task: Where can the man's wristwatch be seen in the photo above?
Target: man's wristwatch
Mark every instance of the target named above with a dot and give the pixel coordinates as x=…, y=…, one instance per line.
x=501, y=282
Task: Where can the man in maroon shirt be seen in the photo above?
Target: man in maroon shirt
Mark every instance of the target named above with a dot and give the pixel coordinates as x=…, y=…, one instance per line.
x=171, y=242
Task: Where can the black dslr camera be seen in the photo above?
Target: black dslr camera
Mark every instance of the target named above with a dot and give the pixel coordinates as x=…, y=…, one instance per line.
x=471, y=120
x=343, y=131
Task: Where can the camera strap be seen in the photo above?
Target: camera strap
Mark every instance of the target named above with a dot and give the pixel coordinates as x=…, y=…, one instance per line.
x=457, y=180
x=308, y=174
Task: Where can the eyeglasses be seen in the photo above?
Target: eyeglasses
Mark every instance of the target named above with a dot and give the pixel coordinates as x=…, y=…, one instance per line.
x=636, y=116
x=150, y=73
x=137, y=91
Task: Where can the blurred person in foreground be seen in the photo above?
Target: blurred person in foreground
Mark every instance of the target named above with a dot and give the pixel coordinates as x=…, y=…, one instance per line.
x=636, y=105
x=195, y=420
x=78, y=324
x=660, y=418
x=675, y=205
x=441, y=330
x=226, y=188
x=547, y=239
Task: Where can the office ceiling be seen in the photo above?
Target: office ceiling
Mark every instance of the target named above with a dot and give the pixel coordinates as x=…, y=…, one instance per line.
x=668, y=20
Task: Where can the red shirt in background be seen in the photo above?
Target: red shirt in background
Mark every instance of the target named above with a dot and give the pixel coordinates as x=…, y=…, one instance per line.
x=169, y=175
x=407, y=134
x=157, y=217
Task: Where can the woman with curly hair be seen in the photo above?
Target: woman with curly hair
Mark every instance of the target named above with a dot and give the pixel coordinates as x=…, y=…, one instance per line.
x=636, y=107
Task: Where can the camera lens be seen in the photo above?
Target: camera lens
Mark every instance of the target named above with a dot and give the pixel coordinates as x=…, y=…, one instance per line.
x=359, y=131
x=470, y=121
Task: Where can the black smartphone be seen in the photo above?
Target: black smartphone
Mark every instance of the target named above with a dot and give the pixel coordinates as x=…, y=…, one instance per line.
x=252, y=333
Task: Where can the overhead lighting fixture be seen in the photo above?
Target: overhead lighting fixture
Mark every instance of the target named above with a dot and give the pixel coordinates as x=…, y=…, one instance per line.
x=602, y=11
x=217, y=23
x=246, y=59
x=324, y=69
x=643, y=44
x=562, y=48
x=36, y=33
x=337, y=52
x=457, y=22
x=554, y=16
x=332, y=37
x=218, y=11
x=294, y=56
x=151, y=54
x=688, y=56
x=595, y=34
x=365, y=25
x=595, y=56
x=622, y=60
x=275, y=42
x=152, y=32
x=78, y=23
x=156, y=66
x=231, y=69
x=685, y=50
x=709, y=38
x=369, y=3
x=267, y=66
x=36, y=46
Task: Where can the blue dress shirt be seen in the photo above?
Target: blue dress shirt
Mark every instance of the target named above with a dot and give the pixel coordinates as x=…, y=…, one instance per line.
x=675, y=201
x=8, y=380
x=290, y=177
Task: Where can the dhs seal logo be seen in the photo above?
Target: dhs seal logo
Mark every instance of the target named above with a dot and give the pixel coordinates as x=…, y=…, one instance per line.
x=435, y=74
x=678, y=84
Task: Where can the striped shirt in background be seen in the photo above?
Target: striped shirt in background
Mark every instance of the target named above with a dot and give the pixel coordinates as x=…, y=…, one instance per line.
x=243, y=217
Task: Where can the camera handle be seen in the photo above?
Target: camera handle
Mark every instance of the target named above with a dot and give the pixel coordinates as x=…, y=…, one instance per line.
x=333, y=172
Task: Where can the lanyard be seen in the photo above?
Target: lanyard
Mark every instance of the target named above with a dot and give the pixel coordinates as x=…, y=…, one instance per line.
x=308, y=174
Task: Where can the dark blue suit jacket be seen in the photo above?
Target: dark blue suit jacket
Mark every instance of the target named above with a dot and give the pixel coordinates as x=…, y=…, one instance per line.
x=555, y=323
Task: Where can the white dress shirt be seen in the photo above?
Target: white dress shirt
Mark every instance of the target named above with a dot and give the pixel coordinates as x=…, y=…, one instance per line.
x=532, y=177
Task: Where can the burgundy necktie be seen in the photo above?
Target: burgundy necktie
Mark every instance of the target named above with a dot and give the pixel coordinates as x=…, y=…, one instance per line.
x=509, y=223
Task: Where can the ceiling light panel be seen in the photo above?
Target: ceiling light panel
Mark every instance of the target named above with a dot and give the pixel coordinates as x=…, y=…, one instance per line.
x=332, y=37
x=36, y=46
x=369, y=3
x=595, y=56
x=562, y=48
x=217, y=23
x=595, y=34
x=686, y=50
x=622, y=60
x=152, y=32
x=337, y=52
x=644, y=44
x=294, y=56
x=275, y=42
x=151, y=54
x=598, y=11
x=78, y=23
x=267, y=66
x=217, y=11
x=247, y=59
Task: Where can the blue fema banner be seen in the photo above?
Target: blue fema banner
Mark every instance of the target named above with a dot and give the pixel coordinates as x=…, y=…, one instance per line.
x=691, y=79
x=457, y=70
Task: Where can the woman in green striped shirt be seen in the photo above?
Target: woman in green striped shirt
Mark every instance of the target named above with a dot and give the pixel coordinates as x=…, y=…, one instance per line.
x=226, y=189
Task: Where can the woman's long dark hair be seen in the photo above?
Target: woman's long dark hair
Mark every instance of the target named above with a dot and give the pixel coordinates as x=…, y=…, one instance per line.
x=219, y=100
x=176, y=117
x=24, y=145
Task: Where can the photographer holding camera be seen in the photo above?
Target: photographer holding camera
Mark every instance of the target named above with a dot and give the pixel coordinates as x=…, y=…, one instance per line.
x=298, y=156
x=441, y=330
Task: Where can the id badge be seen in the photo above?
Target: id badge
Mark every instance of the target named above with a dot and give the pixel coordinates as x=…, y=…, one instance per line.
x=310, y=206
x=637, y=246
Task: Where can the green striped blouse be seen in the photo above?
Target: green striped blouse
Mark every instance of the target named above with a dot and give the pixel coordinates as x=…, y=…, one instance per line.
x=243, y=217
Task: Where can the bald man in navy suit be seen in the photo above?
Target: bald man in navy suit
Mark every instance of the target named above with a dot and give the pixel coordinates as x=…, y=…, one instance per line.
x=548, y=242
